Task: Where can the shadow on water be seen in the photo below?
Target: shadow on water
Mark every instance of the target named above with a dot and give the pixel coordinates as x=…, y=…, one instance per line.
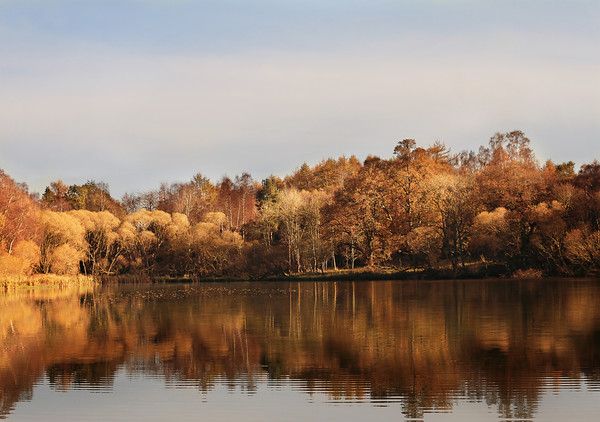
x=420, y=345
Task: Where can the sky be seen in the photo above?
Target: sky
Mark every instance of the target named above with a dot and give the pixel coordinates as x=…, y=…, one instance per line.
x=140, y=92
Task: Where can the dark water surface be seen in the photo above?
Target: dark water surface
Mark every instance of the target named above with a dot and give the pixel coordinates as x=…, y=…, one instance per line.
x=426, y=351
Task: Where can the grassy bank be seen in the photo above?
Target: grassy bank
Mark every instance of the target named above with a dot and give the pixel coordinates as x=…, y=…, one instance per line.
x=364, y=274
x=472, y=271
x=45, y=280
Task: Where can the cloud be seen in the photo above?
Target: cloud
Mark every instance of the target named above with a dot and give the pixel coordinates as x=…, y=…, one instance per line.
x=158, y=113
x=152, y=94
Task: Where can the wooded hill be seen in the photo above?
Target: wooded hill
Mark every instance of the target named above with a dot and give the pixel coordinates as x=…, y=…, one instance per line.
x=422, y=208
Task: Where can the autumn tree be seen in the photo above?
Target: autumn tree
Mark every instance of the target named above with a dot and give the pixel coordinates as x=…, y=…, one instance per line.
x=130, y=203
x=226, y=198
x=566, y=170
x=56, y=197
x=103, y=246
x=17, y=213
x=318, y=249
x=267, y=223
x=184, y=198
x=237, y=200
x=246, y=201
x=331, y=174
x=144, y=234
x=453, y=206
x=407, y=174
x=201, y=249
x=301, y=179
x=341, y=227
x=510, y=176
x=359, y=218
x=425, y=245
x=582, y=249
x=291, y=203
x=206, y=189
x=548, y=238
x=490, y=234
x=588, y=180
x=92, y=196
x=18, y=228
x=62, y=242
x=149, y=200
x=214, y=251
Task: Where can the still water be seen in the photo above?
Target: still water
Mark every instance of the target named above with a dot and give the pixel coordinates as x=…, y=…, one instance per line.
x=420, y=351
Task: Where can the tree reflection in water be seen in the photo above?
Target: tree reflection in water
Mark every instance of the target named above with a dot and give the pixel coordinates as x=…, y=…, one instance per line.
x=424, y=345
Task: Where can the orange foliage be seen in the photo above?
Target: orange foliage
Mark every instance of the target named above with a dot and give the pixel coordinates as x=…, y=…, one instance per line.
x=421, y=205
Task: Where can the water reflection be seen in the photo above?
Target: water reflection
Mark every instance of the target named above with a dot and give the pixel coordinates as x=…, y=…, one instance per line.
x=423, y=346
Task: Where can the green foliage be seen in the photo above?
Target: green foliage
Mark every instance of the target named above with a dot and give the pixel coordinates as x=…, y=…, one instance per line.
x=269, y=191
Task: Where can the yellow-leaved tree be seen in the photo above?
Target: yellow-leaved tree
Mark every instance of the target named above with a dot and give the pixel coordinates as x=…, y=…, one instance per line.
x=103, y=246
x=62, y=244
x=213, y=249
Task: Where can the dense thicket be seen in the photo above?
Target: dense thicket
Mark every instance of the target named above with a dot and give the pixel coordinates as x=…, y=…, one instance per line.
x=420, y=208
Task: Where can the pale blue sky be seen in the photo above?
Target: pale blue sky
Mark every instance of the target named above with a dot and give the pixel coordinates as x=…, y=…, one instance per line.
x=136, y=92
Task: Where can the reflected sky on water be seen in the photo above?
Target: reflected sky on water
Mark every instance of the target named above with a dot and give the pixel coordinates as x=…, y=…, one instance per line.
x=447, y=350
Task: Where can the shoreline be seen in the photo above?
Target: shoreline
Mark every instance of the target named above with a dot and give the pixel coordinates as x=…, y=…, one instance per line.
x=491, y=272
x=46, y=281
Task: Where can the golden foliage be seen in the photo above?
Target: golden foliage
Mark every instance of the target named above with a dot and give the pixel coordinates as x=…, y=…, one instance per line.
x=423, y=204
x=65, y=260
x=583, y=247
x=425, y=241
x=491, y=222
x=24, y=257
x=215, y=218
x=102, y=220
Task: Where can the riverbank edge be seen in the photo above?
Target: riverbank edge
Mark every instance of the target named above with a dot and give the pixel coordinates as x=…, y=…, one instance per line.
x=363, y=274
x=46, y=281
x=494, y=271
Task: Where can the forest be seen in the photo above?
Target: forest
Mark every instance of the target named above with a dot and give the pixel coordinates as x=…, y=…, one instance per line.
x=496, y=212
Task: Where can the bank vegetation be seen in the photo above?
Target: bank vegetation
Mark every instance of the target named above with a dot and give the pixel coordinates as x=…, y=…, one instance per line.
x=497, y=211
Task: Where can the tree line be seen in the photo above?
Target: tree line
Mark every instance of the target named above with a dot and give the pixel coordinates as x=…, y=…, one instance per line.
x=495, y=210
